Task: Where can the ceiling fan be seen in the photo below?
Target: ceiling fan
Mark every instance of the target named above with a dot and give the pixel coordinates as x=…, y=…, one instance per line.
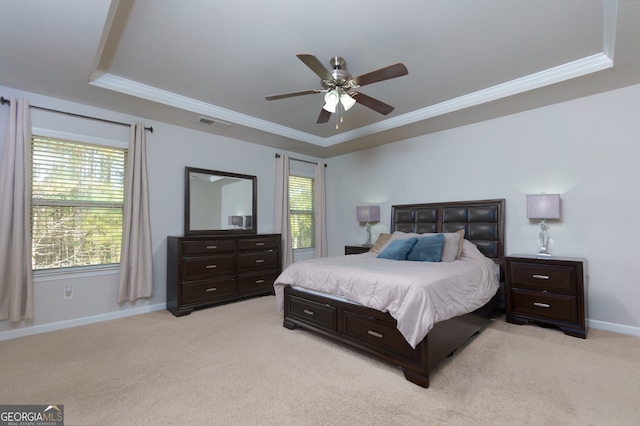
x=337, y=84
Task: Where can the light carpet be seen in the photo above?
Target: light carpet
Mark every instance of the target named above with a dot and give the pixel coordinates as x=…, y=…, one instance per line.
x=236, y=365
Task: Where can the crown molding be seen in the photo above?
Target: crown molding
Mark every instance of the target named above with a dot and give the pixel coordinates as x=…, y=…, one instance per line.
x=570, y=70
x=557, y=74
x=150, y=93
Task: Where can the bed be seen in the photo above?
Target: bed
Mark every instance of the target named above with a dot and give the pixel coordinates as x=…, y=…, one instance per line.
x=416, y=336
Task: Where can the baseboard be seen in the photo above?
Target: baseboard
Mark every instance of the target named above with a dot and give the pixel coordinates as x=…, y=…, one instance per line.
x=616, y=328
x=37, y=329
x=44, y=328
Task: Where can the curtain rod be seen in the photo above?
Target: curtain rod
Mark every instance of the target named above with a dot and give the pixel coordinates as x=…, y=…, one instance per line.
x=5, y=101
x=298, y=159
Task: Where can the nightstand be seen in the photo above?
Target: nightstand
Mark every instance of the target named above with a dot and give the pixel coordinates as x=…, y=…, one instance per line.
x=547, y=291
x=356, y=249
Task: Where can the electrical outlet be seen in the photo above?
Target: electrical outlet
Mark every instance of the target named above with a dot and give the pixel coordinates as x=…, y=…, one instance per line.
x=68, y=292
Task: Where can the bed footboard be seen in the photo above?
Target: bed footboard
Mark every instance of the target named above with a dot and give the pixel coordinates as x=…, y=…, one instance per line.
x=376, y=333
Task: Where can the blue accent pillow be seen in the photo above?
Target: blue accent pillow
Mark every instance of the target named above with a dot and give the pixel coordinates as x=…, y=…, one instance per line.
x=398, y=249
x=427, y=249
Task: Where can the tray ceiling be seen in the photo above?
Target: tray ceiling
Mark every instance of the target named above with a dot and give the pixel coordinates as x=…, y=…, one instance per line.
x=179, y=61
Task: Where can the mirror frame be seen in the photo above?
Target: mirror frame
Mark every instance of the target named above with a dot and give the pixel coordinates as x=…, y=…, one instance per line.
x=187, y=203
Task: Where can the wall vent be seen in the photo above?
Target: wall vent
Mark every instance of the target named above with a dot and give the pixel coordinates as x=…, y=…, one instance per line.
x=214, y=122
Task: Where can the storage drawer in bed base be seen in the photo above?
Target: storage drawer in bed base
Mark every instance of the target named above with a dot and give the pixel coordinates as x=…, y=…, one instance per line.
x=313, y=313
x=348, y=323
x=376, y=333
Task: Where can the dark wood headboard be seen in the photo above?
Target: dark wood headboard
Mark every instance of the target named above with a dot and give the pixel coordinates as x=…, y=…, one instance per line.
x=482, y=221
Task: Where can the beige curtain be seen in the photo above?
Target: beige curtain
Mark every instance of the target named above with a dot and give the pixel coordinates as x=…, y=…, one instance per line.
x=136, y=262
x=282, y=221
x=16, y=280
x=320, y=210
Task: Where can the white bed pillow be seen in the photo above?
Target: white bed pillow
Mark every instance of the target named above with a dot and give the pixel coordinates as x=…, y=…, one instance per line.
x=452, y=247
x=383, y=238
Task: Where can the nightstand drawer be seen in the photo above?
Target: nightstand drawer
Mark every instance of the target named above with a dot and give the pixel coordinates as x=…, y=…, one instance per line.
x=544, y=277
x=544, y=305
x=324, y=316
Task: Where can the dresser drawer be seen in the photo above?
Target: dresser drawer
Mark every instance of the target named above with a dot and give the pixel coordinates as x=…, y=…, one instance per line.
x=201, y=291
x=544, y=305
x=555, y=278
x=207, y=247
x=258, y=260
x=374, y=332
x=203, y=267
x=259, y=243
x=257, y=283
x=317, y=314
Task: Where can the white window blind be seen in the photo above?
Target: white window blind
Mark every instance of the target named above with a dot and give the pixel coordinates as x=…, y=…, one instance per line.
x=301, y=209
x=77, y=203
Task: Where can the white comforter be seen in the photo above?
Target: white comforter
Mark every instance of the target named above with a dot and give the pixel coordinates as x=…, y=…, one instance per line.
x=416, y=294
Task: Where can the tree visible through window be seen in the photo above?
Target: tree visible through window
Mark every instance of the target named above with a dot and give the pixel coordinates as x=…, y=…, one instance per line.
x=301, y=210
x=77, y=203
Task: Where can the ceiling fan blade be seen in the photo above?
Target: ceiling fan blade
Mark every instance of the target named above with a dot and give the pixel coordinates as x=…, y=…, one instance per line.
x=372, y=103
x=324, y=116
x=392, y=71
x=316, y=66
x=291, y=95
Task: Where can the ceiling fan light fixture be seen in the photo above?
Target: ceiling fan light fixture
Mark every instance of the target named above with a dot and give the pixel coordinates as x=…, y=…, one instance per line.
x=347, y=101
x=331, y=101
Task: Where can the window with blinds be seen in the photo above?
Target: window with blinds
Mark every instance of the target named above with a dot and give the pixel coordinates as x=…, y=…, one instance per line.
x=301, y=210
x=77, y=203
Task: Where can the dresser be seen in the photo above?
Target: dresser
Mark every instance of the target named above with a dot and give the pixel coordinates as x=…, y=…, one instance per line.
x=208, y=270
x=547, y=291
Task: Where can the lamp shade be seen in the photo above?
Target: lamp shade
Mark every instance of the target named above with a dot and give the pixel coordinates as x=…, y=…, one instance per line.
x=368, y=213
x=347, y=101
x=331, y=101
x=543, y=206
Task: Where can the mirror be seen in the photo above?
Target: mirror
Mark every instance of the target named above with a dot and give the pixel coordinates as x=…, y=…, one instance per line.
x=219, y=202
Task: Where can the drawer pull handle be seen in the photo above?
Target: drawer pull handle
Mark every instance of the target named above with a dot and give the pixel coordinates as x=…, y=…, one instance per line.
x=259, y=281
x=541, y=305
x=259, y=244
x=211, y=247
x=541, y=277
x=375, y=334
x=211, y=289
x=259, y=260
x=308, y=312
x=211, y=266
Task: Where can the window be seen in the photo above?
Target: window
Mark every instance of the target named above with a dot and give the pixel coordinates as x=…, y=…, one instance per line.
x=301, y=210
x=77, y=203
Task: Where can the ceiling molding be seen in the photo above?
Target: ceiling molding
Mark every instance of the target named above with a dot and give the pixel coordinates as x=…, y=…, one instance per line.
x=574, y=69
x=150, y=93
x=564, y=72
x=609, y=27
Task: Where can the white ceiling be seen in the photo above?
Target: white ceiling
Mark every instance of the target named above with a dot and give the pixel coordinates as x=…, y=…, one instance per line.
x=175, y=61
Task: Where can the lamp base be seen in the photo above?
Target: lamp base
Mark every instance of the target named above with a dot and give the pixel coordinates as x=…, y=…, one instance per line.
x=543, y=255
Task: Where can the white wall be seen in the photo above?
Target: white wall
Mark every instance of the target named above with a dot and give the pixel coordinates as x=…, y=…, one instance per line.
x=587, y=150
x=169, y=150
